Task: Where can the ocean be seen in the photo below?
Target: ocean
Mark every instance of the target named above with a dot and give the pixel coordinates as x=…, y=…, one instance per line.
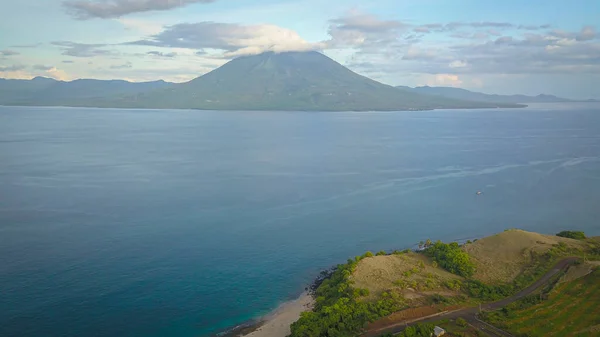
x=184, y=223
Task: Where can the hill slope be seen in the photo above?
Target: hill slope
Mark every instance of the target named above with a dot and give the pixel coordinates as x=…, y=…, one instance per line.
x=290, y=81
x=463, y=94
x=410, y=273
x=46, y=91
x=501, y=257
x=269, y=81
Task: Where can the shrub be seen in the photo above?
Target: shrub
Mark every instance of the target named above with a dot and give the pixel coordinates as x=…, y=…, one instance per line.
x=461, y=322
x=577, y=235
x=368, y=254
x=337, y=310
x=418, y=330
x=451, y=258
x=381, y=253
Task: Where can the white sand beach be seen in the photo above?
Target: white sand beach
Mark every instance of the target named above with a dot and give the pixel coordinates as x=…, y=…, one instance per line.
x=278, y=323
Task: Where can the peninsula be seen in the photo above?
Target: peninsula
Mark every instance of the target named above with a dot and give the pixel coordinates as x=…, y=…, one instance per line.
x=459, y=286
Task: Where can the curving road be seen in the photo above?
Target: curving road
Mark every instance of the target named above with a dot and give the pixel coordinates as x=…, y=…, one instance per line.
x=469, y=314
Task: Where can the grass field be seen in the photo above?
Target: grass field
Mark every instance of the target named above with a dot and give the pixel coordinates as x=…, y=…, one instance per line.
x=572, y=309
x=502, y=257
x=411, y=274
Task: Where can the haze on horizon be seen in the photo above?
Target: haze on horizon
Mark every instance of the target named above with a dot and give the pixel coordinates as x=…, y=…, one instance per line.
x=549, y=47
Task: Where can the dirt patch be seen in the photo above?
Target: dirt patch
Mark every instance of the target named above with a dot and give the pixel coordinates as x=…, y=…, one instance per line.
x=501, y=257
x=379, y=274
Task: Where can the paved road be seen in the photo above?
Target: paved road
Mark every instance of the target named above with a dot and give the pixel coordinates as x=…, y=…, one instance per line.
x=469, y=313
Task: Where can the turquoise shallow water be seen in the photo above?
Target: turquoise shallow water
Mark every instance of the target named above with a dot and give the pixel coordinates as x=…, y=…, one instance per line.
x=182, y=223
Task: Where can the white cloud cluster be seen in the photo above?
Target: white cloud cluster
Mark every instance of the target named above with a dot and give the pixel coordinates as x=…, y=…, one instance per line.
x=233, y=39
x=103, y=9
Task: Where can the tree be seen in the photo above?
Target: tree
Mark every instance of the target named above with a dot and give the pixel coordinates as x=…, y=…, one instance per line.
x=451, y=258
x=410, y=331
x=461, y=322
x=577, y=235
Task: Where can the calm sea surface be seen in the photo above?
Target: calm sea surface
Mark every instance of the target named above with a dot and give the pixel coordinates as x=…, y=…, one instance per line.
x=180, y=223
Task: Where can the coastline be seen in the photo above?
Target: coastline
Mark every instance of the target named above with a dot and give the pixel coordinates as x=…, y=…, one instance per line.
x=277, y=323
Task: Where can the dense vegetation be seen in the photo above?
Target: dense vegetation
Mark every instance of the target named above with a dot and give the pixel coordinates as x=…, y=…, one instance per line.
x=577, y=235
x=417, y=330
x=338, y=312
x=451, y=257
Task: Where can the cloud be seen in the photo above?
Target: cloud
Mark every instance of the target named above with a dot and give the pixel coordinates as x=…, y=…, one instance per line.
x=586, y=33
x=504, y=40
x=532, y=27
x=41, y=67
x=457, y=64
x=522, y=52
x=35, y=45
x=533, y=53
x=143, y=26
x=468, y=35
x=415, y=53
x=161, y=54
x=443, y=80
x=452, y=26
x=488, y=24
x=233, y=39
x=104, y=9
x=82, y=49
x=365, y=32
x=68, y=61
x=7, y=52
x=125, y=65
x=11, y=68
x=57, y=74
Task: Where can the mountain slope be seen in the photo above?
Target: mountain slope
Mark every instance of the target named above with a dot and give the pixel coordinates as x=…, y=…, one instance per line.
x=463, y=94
x=271, y=81
x=46, y=91
x=289, y=81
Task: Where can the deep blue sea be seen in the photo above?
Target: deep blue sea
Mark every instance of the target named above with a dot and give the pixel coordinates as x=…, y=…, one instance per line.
x=181, y=223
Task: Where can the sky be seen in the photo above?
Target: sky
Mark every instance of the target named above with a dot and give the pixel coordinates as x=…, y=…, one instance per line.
x=503, y=47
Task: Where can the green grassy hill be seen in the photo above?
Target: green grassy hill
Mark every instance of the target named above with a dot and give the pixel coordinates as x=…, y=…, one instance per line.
x=570, y=309
x=291, y=81
x=305, y=81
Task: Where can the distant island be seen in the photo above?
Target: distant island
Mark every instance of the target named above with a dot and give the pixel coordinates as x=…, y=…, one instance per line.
x=292, y=81
x=467, y=95
x=453, y=286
